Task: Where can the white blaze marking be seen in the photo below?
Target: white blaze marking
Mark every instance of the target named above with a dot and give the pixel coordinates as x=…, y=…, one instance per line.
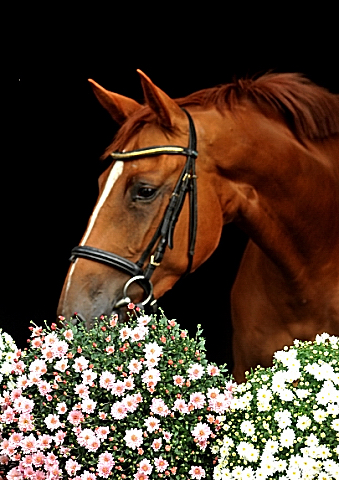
x=112, y=178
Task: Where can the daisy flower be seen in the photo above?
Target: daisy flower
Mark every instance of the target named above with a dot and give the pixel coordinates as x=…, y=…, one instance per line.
x=133, y=438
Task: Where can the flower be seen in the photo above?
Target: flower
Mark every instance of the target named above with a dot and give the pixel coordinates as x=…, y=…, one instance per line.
x=75, y=410
x=284, y=420
x=197, y=472
x=133, y=438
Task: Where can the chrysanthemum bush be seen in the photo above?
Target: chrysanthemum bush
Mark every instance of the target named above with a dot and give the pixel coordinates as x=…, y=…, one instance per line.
x=284, y=422
x=133, y=401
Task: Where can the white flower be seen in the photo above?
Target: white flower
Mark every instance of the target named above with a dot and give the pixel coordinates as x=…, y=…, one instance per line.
x=247, y=428
x=312, y=440
x=283, y=418
x=287, y=437
x=319, y=415
x=271, y=447
x=286, y=395
x=303, y=422
x=335, y=424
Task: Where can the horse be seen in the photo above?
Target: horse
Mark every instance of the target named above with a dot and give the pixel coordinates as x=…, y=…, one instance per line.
x=261, y=152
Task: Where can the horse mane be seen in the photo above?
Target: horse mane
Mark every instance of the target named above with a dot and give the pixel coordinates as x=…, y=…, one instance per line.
x=310, y=111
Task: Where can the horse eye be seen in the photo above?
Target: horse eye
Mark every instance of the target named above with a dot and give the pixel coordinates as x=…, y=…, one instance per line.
x=145, y=193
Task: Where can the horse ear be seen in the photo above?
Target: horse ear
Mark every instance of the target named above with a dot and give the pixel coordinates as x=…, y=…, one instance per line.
x=119, y=107
x=166, y=109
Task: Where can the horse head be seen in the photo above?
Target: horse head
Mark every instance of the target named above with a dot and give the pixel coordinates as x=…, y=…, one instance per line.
x=143, y=233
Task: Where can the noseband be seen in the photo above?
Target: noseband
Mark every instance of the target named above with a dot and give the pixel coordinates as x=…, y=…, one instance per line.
x=163, y=236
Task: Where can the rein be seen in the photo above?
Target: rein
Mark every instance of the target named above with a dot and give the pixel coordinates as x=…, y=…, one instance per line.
x=163, y=236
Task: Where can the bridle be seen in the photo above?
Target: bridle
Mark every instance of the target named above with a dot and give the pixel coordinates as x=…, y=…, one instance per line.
x=163, y=236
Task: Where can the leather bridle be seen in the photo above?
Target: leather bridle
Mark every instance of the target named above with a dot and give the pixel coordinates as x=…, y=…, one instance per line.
x=163, y=236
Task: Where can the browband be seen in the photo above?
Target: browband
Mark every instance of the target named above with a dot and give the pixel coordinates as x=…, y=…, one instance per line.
x=153, y=151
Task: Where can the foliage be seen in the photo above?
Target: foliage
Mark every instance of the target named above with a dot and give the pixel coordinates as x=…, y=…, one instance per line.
x=132, y=401
x=284, y=421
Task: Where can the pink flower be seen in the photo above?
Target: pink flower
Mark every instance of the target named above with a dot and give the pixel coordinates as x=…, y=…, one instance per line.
x=167, y=435
x=220, y=404
x=59, y=437
x=68, y=334
x=25, y=422
x=159, y=407
x=213, y=393
x=180, y=405
x=51, y=339
x=28, y=444
x=61, y=365
x=160, y=464
x=140, y=476
x=36, y=343
x=75, y=417
x=107, y=380
x=125, y=333
x=129, y=383
x=134, y=366
x=119, y=410
x=197, y=399
x=44, y=441
x=82, y=390
x=110, y=349
x=131, y=403
x=133, y=438
x=8, y=415
x=15, y=438
x=61, y=407
x=145, y=466
x=152, y=349
x=52, y=421
x=213, y=370
x=201, y=431
x=152, y=361
x=118, y=388
x=80, y=364
x=102, y=432
x=88, y=377
x=23, y=382
x=178, y=380
x=156, y=444
x=47, y=353
x=72, y=467
x=197, y=472
x=151, y=375
x=38, y=459
x=88, y=405
x=104, y=470
x=195, y=372
x=138, y=333
x=152, y=424
x=144, y=319
x=44, y=387
x=60, y=348
x=88, y=476
x=93, y=444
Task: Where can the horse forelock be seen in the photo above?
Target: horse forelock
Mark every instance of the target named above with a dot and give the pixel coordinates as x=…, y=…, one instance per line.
x=310, y=111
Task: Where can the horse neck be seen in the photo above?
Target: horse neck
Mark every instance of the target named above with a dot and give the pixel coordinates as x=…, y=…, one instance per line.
x=285, y=195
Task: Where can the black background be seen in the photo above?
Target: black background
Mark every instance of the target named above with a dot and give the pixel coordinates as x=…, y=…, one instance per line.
x=50, y=176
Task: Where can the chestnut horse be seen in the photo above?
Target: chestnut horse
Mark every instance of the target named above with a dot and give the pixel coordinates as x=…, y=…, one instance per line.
x=263, y=153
